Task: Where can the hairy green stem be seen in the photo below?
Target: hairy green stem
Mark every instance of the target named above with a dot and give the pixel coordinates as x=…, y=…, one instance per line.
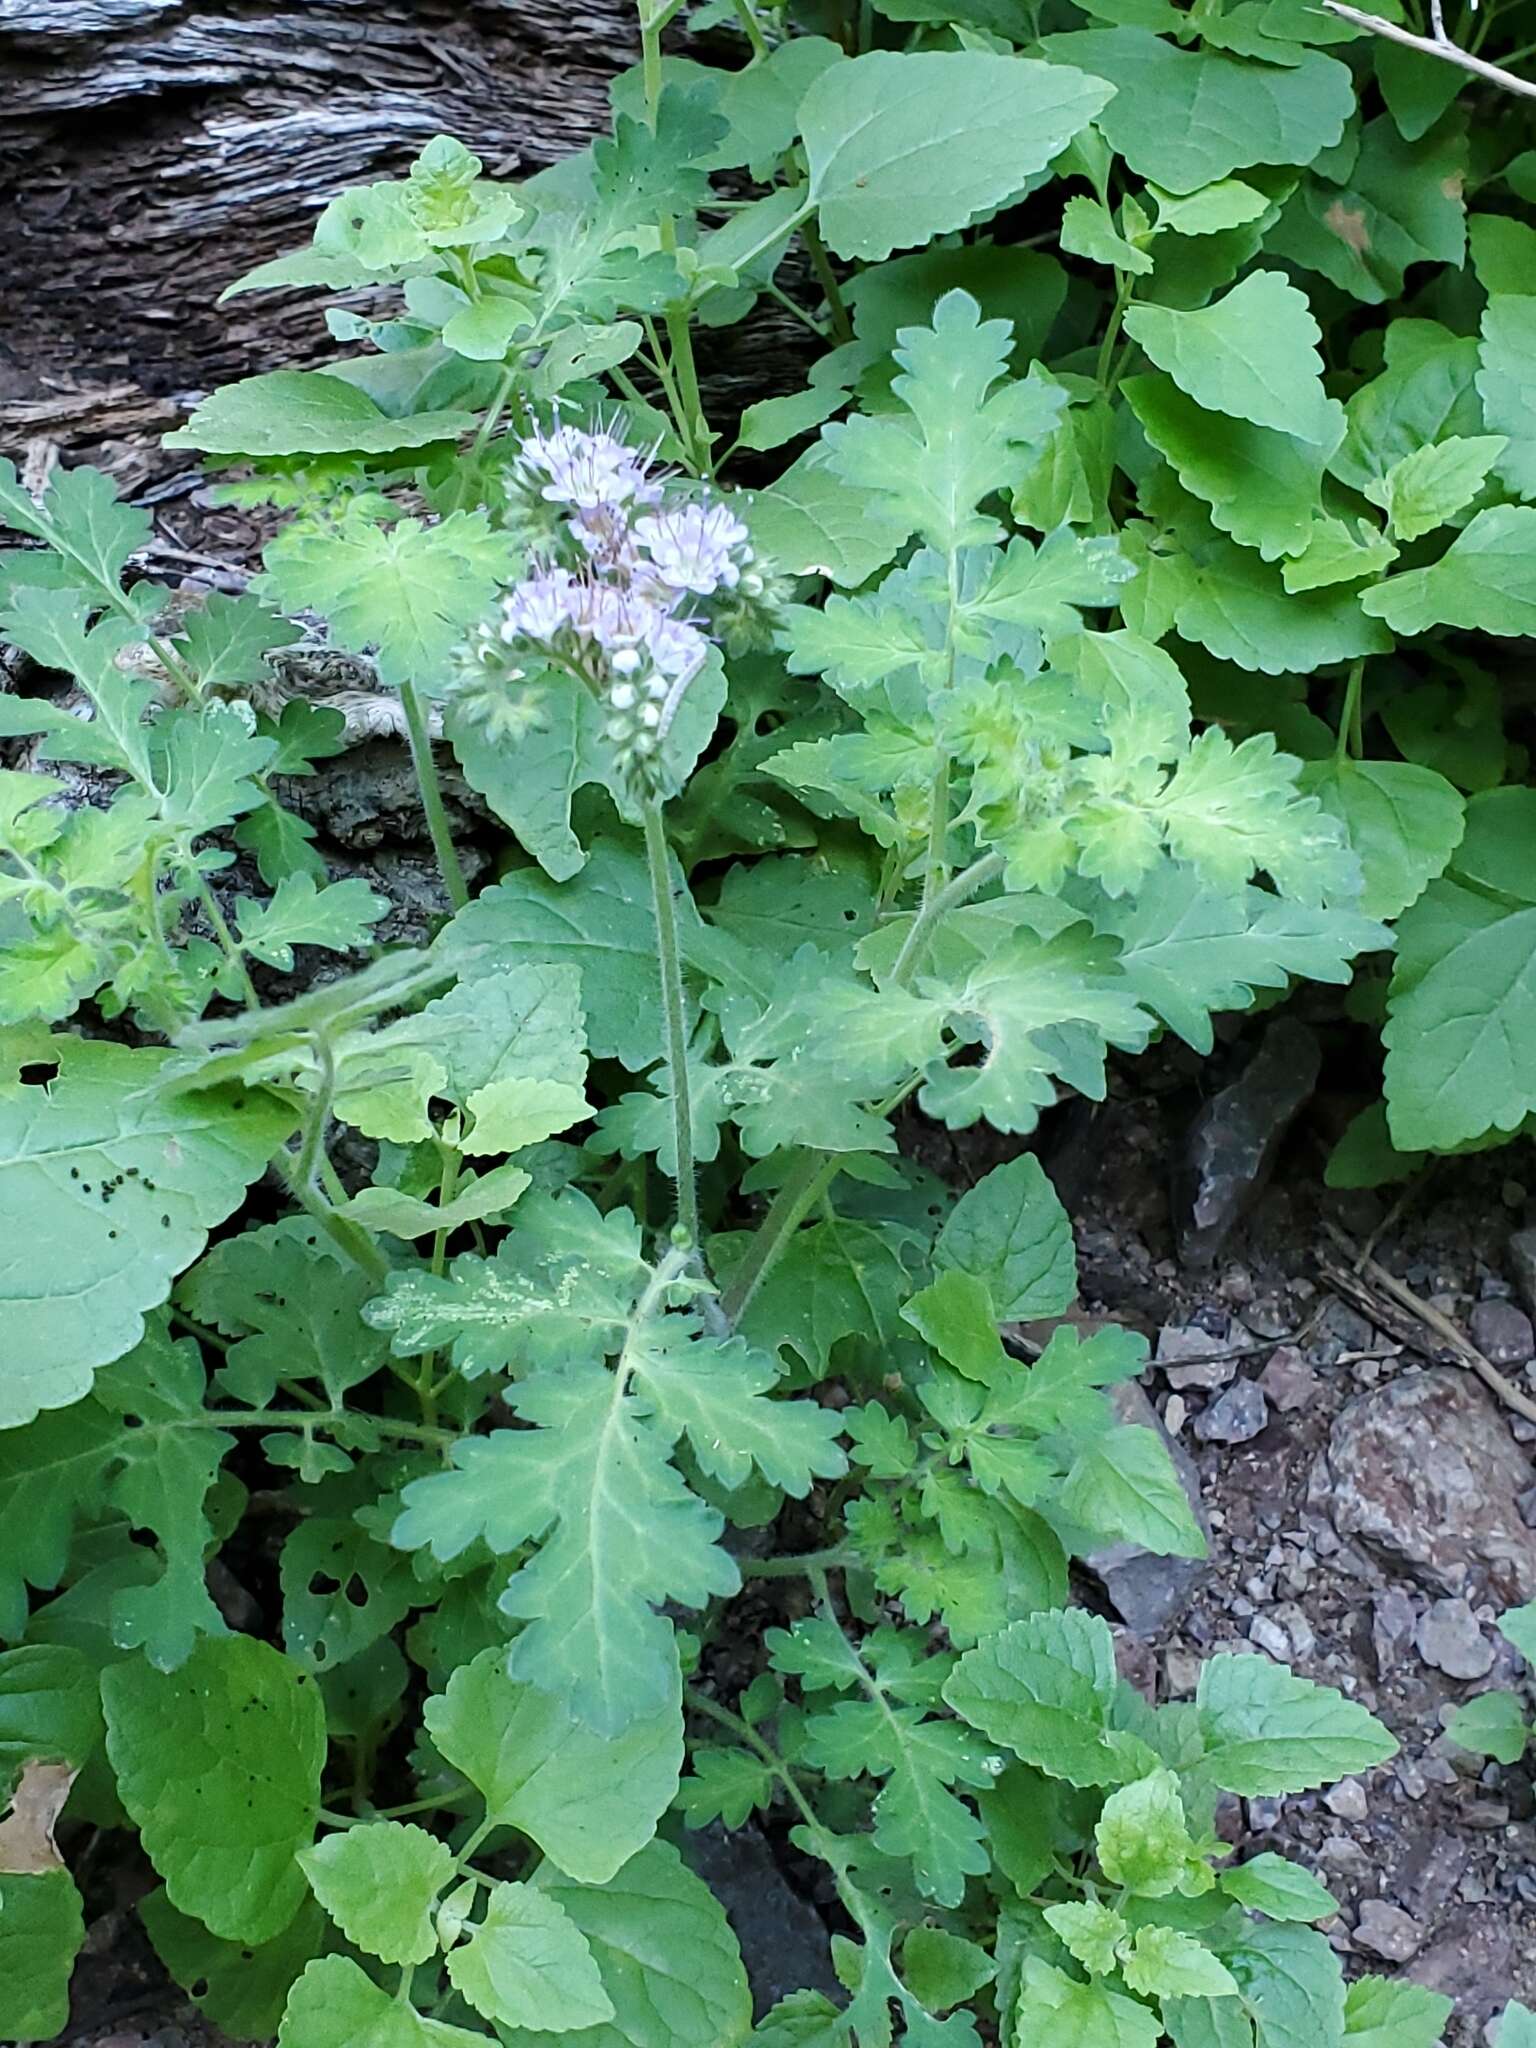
x=746, y=14
x=674, y=1018
x=229, y=946
x=809, y=1178
x=1351, y=739
x=448, y=865
x=797, y=1567
x=960, y=889
x=826, y=277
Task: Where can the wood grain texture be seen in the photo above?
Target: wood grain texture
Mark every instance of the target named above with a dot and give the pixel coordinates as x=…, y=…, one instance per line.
x=151, y=150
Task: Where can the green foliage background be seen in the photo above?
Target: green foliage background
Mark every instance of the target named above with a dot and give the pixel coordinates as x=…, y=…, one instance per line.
x=1148, y=558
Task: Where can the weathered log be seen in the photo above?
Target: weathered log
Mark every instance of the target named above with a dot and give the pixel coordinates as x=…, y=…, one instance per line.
x=154, y=149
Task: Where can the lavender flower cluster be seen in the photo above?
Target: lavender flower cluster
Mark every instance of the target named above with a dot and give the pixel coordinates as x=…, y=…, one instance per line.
x=615, y=596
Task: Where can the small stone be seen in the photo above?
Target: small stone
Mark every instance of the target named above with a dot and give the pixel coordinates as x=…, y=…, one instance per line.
x=1347, y=1799
x=1526, y=1503
x=1235, y=1417
x=1288, y=1381
x=1298, y=1628
x=1175, y=1414
x=1486, y=1815
x=1503, y=1333
x=1393, y=1620
x=1411, y=1778
x=1181, y=1672
x=1270, y=1637
x=1346, y=1857
x=1421, y=1472
x=1450, y=1639
x=1267, y=1318
x=1184, y=1354
x=1264, y=1814
x=1522, y=1266
x=1387, y=1931
x=1348, y=1327
x=1232, y=1144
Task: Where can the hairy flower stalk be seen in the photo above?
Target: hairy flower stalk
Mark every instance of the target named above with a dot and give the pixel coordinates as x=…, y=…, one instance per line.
x=617, y=596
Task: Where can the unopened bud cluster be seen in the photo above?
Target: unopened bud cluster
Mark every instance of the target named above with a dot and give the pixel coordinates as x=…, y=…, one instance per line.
x=617, y=596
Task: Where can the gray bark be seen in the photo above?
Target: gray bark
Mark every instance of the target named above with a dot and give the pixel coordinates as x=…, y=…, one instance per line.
x=151, y=150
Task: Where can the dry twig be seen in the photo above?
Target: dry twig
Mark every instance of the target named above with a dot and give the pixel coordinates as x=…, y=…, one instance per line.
x=1370, y=1271
x=1437, y=45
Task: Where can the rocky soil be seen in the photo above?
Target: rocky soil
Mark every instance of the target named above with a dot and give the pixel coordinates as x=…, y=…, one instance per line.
x=1371, y=1503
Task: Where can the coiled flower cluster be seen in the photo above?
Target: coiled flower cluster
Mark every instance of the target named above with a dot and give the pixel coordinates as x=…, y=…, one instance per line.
x=618, y=593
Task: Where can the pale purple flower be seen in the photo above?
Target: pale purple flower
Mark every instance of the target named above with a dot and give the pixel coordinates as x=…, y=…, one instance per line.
x=587, y=470
x=541, y=605
x=698, y=548
x=676, y=647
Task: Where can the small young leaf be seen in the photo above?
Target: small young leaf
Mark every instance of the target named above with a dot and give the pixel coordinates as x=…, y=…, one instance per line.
x=1493, y=1724
x=1428, y=487
x=1092, y=1933
x=527, y=1964
x=1393, y=2014
x=1143, y=1837
x=1284, y=1891
x=1164, y=1962
x=1268, y=1732
x=378, y=1882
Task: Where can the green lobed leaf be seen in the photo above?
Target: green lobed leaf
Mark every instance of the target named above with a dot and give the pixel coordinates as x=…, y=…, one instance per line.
x=1214, y=114
x=1043, y=1688
x=527, y=1964
x=1010, y=1232
x=1485, y=580
x=1282, y=1890
x=1403, y=821
x=1379, y=2013
x=1506, y=383
x=50, y=1710
x=378, y=1881
x=407, y=592
x=621, y=1535
x=590, y=1801
x=242, y=1987
x=334, y=2004
x=1123, y=1486
x=112, y=1190
x=1268, y=1732
x=219, y=1764
x=306, y=412
x=42, y=1928
x=1252, y=354
x=665, y=1953
x=1492, y=1724
x=905, y=147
